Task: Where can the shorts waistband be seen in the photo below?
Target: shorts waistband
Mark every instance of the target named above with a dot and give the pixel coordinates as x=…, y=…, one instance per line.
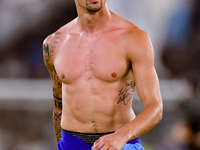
x=90, y=138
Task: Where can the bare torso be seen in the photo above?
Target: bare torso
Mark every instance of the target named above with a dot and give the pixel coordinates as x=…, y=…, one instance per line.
x=97, y=78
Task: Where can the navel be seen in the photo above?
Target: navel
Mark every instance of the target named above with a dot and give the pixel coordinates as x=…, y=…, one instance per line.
x=114, y=74
x=94, y=126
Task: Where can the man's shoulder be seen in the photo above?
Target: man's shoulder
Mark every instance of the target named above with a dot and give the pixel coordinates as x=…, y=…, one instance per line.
x=138, y=43
x=132, y=33
x=65, y=29
x=128, y=28
x=131, y=29
x=135, y=39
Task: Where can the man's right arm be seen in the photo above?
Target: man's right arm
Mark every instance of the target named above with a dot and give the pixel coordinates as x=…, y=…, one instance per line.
x=48, y=54
x=57, y=93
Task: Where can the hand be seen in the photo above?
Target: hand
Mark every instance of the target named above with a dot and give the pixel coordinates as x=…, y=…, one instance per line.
x=110, y=141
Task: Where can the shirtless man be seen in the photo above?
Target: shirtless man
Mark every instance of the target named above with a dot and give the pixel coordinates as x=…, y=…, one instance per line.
x=96, y=62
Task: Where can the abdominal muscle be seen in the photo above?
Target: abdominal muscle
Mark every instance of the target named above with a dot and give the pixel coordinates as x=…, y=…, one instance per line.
x=94, y=111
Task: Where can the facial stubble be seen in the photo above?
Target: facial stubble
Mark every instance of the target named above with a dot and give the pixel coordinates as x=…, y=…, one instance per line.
x=93, y=7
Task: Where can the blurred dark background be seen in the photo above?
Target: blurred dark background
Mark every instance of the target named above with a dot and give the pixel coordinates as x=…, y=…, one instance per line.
x=26, y=101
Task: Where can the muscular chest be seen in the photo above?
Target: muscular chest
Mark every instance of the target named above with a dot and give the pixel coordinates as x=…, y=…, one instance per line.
x=102, y=58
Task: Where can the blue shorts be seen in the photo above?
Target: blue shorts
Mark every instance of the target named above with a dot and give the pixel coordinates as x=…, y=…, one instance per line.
x=70, y=142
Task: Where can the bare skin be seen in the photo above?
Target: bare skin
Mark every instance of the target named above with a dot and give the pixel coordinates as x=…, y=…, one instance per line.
x=96, y=62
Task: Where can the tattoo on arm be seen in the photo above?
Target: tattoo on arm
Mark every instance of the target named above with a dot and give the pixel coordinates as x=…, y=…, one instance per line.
x=57, y=117
x=58, y=102
x=46, y=49
x=57, y=90
x=57, y=127
x=48, y=52
x=126, y=94
x=57, y=94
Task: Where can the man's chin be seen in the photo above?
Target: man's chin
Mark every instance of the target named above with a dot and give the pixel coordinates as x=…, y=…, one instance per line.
x=93, y=10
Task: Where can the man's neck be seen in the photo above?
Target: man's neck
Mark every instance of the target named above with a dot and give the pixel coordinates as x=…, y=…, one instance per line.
x=92, y=22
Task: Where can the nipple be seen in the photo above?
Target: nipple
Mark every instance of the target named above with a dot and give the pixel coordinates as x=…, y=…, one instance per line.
x=114, y=74
x=62, y=76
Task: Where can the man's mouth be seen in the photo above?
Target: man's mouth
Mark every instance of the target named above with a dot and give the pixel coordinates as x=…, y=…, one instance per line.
x=93, y=1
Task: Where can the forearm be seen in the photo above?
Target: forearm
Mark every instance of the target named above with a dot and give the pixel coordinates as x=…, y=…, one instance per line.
x=56, y=121
x=146, y=120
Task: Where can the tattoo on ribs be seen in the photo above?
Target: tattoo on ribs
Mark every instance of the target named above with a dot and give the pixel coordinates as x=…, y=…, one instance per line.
x=126, y=94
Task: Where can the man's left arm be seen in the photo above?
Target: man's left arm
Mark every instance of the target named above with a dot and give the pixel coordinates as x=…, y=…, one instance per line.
x=147, y=85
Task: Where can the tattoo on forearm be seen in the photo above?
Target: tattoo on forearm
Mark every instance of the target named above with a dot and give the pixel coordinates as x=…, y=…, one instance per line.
x=57, y=117
x=58, y=102
x=57, y=98
x=58, y=134
x=126, y=94
x=57, y=127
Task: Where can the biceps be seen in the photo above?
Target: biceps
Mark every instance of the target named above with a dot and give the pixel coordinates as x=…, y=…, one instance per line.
x=147, y=83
